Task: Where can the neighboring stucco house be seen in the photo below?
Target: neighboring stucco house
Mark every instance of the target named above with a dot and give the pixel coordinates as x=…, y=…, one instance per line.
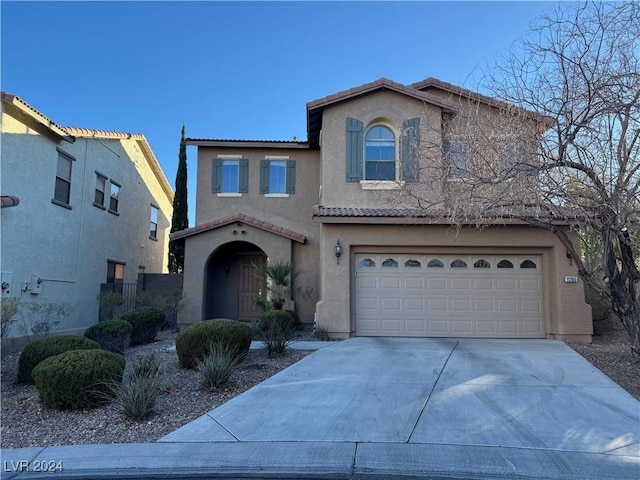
x=402, y=271
x=89, y=207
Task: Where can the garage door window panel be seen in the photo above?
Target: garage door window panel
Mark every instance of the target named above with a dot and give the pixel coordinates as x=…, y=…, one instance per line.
x=435, y=263
x=505, y=264
x=482, y=263
x=367, y=263
x=528, y=264
x=412, y=263
x=390, y=263
x=458, y=263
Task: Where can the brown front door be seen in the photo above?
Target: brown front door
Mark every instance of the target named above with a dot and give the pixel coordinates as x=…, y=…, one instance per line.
x=250, y=286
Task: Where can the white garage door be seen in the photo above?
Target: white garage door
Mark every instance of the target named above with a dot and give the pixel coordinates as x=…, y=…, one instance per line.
x=488, y=296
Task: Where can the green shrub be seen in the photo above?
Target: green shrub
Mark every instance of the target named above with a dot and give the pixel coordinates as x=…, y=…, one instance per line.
x=281, y=319
x=219, y=365
x=277, y=331
x=146, y=323
x=294, y=315
x=193, y=344
x=77, y=379
x=112, y=335
x=136, y=396
x=37, y=351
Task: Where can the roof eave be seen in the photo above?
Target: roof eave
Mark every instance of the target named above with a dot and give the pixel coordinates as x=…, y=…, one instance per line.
x=38, y=117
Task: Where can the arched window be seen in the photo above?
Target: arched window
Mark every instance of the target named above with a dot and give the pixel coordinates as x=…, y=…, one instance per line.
x=528, y=264
x=413, y=263
x=482, y=263
x=390, y=262
x=435, y=263
x=505, y=264
x=458, y=263
x=367, y=262
x=380, y=154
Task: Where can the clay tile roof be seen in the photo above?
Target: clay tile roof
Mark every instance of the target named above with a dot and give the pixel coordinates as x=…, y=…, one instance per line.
x=315, y=107
x=35, y=114
x=239, y=217
x=322, y=214
x=9, y=201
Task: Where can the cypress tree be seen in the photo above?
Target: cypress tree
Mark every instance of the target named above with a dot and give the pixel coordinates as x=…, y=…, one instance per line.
x=180, y=218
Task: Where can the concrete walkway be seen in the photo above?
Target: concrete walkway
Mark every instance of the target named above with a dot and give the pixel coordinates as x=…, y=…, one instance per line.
x=394, y=408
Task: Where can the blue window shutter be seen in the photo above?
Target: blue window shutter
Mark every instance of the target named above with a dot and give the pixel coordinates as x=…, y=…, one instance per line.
x=216, y=176
x=291, y=176
x=264, y=176
x=355, y=150
x=410, y=149
x=243, y=180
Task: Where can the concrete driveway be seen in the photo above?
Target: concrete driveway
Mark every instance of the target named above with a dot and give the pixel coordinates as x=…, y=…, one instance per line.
x=398, y=408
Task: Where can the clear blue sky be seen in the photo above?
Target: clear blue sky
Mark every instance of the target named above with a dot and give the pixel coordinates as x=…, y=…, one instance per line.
x=236, y=70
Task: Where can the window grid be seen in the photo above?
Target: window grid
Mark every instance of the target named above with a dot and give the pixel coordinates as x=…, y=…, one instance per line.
x=153, y=229
x=62, y=192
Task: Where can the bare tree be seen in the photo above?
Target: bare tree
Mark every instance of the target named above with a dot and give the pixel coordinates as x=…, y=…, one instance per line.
x=559, y=148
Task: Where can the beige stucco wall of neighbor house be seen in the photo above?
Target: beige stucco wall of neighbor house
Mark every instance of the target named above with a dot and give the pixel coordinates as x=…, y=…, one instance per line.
x=390, y=109
x=291, y=212
x=68, y=248
x=566, y=313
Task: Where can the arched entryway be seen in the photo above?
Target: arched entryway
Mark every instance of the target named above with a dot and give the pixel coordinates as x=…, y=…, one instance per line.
x=233, y=281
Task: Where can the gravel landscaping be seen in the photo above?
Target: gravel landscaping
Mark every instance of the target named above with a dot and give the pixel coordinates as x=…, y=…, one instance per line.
x=25, y=423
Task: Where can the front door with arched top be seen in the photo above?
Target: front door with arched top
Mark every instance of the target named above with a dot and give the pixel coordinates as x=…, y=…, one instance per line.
x=234, y=281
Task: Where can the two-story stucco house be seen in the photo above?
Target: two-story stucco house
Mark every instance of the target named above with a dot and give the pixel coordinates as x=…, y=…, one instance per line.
x=370, y=261
x=92, y=207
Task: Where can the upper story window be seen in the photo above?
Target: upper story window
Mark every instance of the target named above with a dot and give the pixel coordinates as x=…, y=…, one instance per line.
x=380, y=154
x=153, y=227
x=379, y=157
x=62, y=191
x=456, y=157
x=277, y=176
x=101, y=187
x=230, y=176
x=114, y=198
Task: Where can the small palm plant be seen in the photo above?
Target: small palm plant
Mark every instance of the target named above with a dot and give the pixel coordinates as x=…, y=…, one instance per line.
x=279, y=277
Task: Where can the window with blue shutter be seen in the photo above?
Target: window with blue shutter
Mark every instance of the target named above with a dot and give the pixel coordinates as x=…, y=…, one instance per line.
x=410, y=149
x=380, y=154
x=355, y=150
x=230, y=175
x=277, y=177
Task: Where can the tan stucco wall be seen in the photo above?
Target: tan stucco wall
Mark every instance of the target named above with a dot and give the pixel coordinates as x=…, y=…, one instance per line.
x=293, y=213
x=566, y=313
x=391, y=109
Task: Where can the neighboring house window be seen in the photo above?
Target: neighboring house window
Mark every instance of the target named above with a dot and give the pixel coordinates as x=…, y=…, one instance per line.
x=380, y=154
x=456, y=155
x=115, y=197
x=277, y=176
x=62, y=192
x=101, y=186
x=153, y=228
x=115, y=271
x=230, y=176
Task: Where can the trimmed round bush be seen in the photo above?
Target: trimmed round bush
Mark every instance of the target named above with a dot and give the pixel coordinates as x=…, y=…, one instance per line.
x=281, y=320
x=78, y=379
x=193, y=344
x=37, y=351
x=146, y=323
x=112, y=335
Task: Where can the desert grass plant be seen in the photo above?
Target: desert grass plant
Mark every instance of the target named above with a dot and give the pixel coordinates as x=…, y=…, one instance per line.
x=320, y=333
x=219, y=365
x=137, y=395
x=277, y=332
